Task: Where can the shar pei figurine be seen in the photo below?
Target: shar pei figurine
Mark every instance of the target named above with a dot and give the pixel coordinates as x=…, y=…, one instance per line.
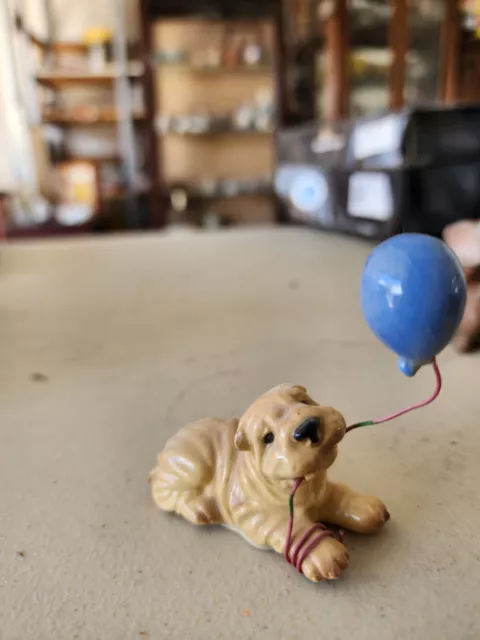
x=240, y=473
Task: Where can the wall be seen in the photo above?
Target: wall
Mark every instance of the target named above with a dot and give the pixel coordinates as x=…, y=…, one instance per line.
x=73, y=18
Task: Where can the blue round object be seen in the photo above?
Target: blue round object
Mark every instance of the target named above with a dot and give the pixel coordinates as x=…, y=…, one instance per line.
x=413, y=295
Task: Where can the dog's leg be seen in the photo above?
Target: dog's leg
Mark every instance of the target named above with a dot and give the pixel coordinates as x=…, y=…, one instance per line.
x=184, y=480
x=198, y=509
x=351, y=510
x=324, y=562
x=183, y=493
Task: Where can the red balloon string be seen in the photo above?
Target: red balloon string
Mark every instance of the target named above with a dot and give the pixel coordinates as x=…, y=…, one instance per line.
x=413, y=407
x=297, y=553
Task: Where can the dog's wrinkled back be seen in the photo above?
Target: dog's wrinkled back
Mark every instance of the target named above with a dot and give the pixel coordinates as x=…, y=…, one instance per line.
x=192, y=471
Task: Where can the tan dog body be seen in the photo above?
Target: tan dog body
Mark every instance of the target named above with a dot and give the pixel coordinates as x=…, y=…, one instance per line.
x=241, y=473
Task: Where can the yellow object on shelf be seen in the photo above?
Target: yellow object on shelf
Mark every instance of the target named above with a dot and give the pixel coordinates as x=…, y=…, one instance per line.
x=477, y=12
x=471, y=16
x=97, y=41
x=97, y=36
x=80, y=181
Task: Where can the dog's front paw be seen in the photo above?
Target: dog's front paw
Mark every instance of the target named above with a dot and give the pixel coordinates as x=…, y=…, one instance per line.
x=368, y=515
x=326, y=561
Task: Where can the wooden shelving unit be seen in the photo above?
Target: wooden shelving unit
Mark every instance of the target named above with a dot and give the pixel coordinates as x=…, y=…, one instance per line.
x=221, y=150
x=64, y=119
x=57, y=80
x=218, y=70
x=220, y=131
x=60, y=80
x=131, y=128
x=406, y=38
x=461, y=54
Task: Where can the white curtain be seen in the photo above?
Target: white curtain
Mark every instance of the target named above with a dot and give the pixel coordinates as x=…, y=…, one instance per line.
x=17, y=164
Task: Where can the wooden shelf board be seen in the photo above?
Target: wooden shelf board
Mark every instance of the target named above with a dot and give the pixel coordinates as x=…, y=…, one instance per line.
x=79, y=48
x=73, y=157
x=56, y=47
x=65, y=79
x=220, y=132
x=216, y=70
x=67, y=47
x=196, y=193
x=50, y=228
x=83, y=122
x=62, y=47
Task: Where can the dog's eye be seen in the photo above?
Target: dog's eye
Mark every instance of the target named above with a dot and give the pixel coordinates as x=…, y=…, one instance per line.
x=306, y=401
x=268, y=438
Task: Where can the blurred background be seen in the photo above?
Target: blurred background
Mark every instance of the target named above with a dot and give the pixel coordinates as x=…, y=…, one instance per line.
x=146, y=114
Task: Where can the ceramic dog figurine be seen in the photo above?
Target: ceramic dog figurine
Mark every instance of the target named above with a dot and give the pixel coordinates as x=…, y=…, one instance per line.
x=240, y=473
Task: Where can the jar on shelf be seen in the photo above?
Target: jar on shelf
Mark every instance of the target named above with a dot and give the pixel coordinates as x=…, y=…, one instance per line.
x=98, y=41
x=252, y=52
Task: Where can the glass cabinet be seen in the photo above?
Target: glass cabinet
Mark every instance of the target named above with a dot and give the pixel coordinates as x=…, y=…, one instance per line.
x=370, y=55
x=349, y=58
x=423, y=60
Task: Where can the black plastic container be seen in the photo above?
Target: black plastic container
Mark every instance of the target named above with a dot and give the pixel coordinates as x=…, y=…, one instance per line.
x=413, y=170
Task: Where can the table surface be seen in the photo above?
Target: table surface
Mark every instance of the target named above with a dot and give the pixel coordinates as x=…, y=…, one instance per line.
x=108, y=346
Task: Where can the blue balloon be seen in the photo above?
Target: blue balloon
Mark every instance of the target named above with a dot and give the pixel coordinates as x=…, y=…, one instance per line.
x=413, y=295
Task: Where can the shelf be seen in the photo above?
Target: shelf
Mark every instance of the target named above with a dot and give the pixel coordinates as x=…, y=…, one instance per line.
x=215, y=131
x=78, y=48
x=54, y=47
x=197, y=193
x=225, y=132
x=62, y=79
x=62, y=47
x=73, y=157
x=217, y=70
x=49, y=228
x=72, y=120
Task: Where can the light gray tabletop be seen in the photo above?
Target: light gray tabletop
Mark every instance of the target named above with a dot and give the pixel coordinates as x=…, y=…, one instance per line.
x=108, y=346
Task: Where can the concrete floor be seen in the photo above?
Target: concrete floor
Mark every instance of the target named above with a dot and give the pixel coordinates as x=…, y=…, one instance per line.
x=108, y=346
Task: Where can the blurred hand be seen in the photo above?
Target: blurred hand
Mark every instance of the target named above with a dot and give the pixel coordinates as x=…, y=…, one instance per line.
x=464, y=239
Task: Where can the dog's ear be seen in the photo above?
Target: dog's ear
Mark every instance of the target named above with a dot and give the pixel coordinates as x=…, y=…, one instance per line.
x=241, y=440
x=298, y=387
x=286, y=386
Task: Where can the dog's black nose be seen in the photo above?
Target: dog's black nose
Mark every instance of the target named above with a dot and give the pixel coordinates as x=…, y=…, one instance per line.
x=308, y=430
